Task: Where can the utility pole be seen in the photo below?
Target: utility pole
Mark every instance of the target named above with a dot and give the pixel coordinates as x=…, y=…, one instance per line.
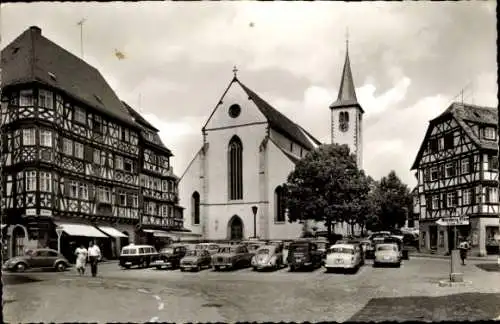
x=80, y=23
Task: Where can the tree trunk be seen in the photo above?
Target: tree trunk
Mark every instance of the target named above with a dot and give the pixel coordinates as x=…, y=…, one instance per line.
x=329, y=229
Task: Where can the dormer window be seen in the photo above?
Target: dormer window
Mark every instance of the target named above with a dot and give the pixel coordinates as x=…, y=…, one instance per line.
x=489, y=133
x=97, y=125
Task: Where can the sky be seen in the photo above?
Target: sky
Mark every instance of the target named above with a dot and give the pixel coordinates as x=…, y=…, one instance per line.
x=409, y=60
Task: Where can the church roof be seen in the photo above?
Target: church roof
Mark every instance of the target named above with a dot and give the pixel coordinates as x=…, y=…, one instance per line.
x=280, y=122
x=347, y=91
x=33, y=58
x=465, y=115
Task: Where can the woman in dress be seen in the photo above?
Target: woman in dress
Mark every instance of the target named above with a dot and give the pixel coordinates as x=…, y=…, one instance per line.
x=81, y=259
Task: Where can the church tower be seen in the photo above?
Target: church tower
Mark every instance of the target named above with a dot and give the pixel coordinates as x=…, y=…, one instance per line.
x=347, y=114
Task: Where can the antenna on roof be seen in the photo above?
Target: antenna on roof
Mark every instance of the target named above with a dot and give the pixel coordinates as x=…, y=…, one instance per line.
x=80, y=23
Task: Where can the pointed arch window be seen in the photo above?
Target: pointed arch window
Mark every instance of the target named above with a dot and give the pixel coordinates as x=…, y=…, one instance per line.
x=235, y=169
x=279, y=205
x=344, y=121
x=195, y=207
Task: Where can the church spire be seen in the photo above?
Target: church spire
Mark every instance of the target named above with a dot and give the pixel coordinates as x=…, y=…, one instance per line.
x=347, y=92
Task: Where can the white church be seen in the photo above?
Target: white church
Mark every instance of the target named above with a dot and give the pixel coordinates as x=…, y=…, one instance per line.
x=231, y=190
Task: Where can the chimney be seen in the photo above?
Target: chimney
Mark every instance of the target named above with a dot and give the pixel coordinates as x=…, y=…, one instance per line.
x=36, y=30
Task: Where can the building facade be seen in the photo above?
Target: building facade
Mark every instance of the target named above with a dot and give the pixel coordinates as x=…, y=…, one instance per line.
x=457, y=169
x=71, y=154
x=249, y=149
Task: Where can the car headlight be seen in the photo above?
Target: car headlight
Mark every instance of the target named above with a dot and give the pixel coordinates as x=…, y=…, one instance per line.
x=253, y=260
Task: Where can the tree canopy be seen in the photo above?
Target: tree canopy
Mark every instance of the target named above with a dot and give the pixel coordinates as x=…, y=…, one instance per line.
x=327, y=186
x=394, y=201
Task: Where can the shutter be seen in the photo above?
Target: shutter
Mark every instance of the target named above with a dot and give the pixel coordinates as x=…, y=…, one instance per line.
x=91, y=192
x=441, y=171
x=471, y=164
x=129, y=200
x=427, y=174
x=487, y=196
x=473, y=196
x=88, y=154
x=444, y=200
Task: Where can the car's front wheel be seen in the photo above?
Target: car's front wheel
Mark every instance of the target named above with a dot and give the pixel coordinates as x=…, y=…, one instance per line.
x=20, y=267
x=60, y=266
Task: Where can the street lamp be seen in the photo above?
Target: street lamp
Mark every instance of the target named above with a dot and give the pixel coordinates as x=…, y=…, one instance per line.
x=254, y=211
x=59, y=234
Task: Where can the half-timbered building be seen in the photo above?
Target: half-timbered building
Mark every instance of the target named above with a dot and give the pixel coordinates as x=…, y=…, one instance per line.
x=457, y=169
x=161, y=216
x=71, y=152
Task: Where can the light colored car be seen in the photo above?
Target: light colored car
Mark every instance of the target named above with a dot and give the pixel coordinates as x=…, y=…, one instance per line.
x=196, y=260
x=344, y=256
x=267, y=257
x=387, y=253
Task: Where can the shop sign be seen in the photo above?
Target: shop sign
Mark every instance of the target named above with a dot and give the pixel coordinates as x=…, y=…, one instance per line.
x=453, y=221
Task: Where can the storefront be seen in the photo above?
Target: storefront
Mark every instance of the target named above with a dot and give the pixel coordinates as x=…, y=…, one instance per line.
x=75, y=235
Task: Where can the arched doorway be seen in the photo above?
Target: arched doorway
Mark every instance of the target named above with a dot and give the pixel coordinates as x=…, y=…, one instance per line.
x=18, y=240
x=235, y=228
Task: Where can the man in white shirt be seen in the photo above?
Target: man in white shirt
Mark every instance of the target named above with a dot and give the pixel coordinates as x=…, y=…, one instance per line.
x=94, y=257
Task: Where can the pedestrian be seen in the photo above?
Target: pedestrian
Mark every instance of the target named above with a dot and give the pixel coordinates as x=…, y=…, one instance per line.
x=94, y=257
x=463, y=247
x=81, y=259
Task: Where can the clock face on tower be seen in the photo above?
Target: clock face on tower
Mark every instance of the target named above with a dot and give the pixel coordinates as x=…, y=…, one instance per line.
x=234, y=111
x=344, y=121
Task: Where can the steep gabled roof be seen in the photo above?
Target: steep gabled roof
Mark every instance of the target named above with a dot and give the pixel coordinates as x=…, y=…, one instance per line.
x=144, y=124
x=347, y=91
x=280, y=122
x=292, y=157
x=138, y=118
x=464, y=114
x=276, y=120
x=34, y=58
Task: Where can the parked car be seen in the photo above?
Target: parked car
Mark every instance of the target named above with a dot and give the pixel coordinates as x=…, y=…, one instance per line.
x=196, y=260
x=303, y=254
x=268, y=257
x=210, y=247
x=387, y=253
x=37, y=259
x=137, y=255
x=231, y=257
x=344, y=256
x=253, y=245
x=380, y=234
x=170, y=257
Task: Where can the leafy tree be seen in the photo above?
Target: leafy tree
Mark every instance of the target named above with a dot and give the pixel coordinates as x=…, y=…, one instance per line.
x=368, y=218
x=325, y=186
x=394, y=201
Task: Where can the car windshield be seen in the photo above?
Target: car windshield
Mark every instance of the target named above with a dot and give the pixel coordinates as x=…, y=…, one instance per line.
x=201, y=247
x=343, y=250
x=193, y=253
x=298, y=248
x=386, y=248
x=226, y=249
x=213, y=247
x=263, y=251
x=167, y=250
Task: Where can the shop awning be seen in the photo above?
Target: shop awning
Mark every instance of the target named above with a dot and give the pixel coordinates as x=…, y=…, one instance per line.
x=111, y=231
x=158, y=233
x=4, y=226
x=81, y=230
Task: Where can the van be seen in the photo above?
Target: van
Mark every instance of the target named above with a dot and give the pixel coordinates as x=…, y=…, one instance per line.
x=137, y=255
